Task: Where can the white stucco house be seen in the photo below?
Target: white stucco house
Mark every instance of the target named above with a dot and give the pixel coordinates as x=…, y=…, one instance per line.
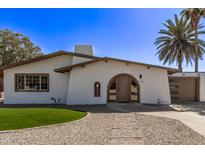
x=79, y=77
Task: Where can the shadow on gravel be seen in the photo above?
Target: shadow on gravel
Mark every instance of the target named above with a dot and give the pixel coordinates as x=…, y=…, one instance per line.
x=106, y=108
x=93, y=108
x=121, y=108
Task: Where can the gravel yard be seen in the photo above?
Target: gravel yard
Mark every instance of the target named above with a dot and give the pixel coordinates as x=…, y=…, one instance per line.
x=109, y=128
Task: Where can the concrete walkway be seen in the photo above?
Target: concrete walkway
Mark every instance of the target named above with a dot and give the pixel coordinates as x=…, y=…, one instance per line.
x=126, y=132
x=192, y=115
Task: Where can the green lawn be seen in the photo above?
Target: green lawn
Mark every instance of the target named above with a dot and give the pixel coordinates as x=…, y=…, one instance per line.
x=17, y=118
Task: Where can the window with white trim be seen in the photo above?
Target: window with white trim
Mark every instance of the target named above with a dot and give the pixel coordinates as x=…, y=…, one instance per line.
x=31, y=82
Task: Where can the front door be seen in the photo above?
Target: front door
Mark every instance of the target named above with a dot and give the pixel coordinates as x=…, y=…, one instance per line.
x=123, y=88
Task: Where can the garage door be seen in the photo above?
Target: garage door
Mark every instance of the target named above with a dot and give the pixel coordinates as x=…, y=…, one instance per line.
x=184, y=89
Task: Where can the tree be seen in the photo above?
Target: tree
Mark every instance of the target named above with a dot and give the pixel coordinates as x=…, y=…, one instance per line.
x=15, y=47
x=194, y=14
x=176, y=42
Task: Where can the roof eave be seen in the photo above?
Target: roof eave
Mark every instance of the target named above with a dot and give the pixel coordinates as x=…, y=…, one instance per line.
x=39, y=58
x=138, y=63
x=69, y=68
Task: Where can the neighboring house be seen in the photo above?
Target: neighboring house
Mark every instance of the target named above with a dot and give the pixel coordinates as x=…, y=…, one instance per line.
x=81, y=78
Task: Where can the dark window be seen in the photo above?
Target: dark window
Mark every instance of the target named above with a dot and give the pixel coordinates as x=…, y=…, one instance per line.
x=32, y=82
x=97, y=89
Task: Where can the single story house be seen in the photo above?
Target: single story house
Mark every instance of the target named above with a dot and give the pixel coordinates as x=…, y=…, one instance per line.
x=79, y=77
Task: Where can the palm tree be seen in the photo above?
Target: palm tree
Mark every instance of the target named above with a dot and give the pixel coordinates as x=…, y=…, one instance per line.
x=176, y=42
x=194, y=14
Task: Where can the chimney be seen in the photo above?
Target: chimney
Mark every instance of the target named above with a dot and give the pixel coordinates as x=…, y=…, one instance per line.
x=84, y=49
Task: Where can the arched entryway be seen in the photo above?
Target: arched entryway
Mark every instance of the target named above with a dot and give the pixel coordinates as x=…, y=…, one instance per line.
x=123, y=88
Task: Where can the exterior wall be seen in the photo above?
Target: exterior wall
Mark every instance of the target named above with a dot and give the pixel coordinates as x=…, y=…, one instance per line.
x=77, y=60
x=202, y=82
x=58, y=82
x=153, y=85
x=202, y=87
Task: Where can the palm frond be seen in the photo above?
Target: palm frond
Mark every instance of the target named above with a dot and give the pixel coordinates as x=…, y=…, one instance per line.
x=176, y=42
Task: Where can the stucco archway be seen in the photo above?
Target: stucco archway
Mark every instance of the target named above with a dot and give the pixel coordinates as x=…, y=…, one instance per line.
x=123, y=88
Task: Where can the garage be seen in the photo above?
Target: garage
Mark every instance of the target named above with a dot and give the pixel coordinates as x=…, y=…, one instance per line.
x=184, y=89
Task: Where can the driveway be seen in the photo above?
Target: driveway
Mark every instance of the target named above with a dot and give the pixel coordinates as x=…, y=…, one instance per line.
x=105, y=125
x=191, y=114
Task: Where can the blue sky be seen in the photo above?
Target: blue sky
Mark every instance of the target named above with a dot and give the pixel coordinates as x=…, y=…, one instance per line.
x=121, y=33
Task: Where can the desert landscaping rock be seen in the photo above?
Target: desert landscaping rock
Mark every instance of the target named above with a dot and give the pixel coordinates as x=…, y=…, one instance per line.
x=109, y=128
